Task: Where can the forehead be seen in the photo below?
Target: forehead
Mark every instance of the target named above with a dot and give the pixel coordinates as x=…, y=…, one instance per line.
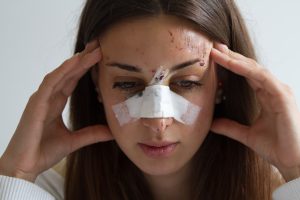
x=161, y=38
x=153, y=29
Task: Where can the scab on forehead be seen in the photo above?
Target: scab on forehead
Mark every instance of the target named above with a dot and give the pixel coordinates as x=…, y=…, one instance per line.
x=172, y=36
x=202, y=54
x=202, y=63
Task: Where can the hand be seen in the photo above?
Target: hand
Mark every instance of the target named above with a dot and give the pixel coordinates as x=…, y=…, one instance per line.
x=275, y=134
x=41, y=139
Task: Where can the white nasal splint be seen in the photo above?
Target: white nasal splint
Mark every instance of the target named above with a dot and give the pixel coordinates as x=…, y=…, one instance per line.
x=156, y=101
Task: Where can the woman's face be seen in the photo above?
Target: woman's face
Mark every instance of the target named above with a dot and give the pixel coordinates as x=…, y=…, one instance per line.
x=145, y=45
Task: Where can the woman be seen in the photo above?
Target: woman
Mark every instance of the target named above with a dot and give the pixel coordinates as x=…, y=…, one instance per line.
x=134, y=60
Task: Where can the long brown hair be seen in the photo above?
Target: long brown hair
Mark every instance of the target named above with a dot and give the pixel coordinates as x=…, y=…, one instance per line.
x=223, y=168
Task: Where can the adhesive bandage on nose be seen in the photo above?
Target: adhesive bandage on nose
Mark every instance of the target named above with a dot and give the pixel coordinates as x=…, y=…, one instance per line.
x=156, y=101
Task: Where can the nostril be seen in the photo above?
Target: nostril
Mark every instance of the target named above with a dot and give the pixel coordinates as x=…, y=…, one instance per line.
x=157, y=124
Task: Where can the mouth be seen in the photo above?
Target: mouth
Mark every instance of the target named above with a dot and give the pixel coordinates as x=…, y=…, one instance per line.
x=155, y=150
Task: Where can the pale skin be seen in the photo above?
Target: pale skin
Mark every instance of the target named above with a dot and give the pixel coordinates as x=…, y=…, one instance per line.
x=168, y=44
x=41, y=139
x=275, y=134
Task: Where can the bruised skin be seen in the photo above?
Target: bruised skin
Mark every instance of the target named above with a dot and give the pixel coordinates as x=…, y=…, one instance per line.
x=190, y=41
x=176, y=39
x=150, y=43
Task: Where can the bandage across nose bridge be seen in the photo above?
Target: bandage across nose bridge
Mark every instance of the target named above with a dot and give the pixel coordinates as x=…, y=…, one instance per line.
x=156, y=101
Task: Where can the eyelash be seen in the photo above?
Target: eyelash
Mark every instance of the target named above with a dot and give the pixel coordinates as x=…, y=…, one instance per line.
x=186, y=85
x=124, y=85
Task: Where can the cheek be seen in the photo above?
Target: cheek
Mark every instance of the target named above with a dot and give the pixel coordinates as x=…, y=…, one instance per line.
x=122, y=134
x=194, y=135
x=108, y=100
x=199, y=130
x=205, y=116
x=110, y=115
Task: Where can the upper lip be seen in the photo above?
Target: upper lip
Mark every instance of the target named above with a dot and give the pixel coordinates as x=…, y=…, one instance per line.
x=158, y=144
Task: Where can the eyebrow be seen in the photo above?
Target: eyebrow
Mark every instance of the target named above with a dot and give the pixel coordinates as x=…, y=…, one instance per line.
x=139, y=70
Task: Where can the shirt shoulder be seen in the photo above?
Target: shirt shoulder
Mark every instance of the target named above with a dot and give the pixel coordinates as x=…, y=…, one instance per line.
x=53, y=182
x=288, y=191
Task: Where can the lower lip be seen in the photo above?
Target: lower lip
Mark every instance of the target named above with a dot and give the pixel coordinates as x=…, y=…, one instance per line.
x=158, y=151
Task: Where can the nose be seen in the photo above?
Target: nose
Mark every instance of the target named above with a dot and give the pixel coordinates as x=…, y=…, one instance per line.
x=158, y=125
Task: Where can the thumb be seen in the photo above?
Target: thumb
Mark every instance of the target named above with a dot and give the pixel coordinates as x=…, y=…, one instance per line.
x=231, y=129
x=89, y=135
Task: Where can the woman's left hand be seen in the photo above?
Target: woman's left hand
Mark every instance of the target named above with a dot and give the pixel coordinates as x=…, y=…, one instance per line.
x=275, y=134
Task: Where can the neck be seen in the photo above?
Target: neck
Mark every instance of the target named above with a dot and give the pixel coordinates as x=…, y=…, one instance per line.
x=171, y=186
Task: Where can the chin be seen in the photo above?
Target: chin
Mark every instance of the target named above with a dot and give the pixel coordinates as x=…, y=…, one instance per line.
x=158, y=168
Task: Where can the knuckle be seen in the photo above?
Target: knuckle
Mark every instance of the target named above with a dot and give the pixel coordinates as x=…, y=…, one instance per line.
x=287, y=89
x=46, y=83
x=264, y=70
x=47, y=78
x=229, y=52
x=255, y=64
x=33, y=96
x=69, y=61
x=72, y=61
x=251, y=71
x=230, y=61
x=286, y=95
x=63, y=93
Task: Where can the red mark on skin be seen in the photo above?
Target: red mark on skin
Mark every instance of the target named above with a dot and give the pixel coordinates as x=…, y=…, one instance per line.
x=139, y=51
x=153, y=71
x=202, y=63
x=179, y=48
x=172, y=36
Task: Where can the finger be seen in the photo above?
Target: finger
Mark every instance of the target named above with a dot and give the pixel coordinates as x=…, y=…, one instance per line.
x=91, y=46
x=66, y=87
x=224, y=49
x=68, y=84
x=72, y=63
x=89, y=135
x=77, y=68
x=231, y=129
x=252, y=71
x=264, y=101
x=57, y=100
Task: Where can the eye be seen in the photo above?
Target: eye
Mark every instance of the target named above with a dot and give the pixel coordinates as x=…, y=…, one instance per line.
x=127, y=86
x=186, y=84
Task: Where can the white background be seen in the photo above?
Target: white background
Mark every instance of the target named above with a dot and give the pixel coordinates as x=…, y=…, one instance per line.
x=36, y=36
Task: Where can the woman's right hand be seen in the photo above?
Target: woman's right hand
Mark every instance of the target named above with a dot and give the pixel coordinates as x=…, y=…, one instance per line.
x=41, y=139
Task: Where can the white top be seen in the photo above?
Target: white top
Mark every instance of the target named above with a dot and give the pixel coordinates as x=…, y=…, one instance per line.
x=50, y=186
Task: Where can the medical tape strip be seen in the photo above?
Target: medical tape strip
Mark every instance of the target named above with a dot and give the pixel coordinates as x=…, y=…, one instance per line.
x=156, y=101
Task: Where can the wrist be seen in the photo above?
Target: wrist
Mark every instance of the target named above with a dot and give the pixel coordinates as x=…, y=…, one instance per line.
x=290, y=173
x=4, y=171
